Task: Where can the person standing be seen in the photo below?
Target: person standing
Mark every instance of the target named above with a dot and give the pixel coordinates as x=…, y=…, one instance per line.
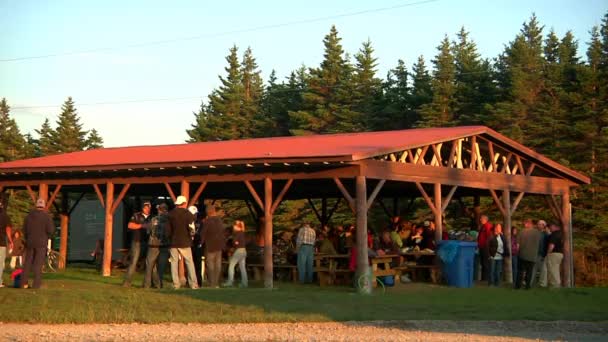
x=137, y=224
x=539, y=273
x=529, y=240
x=239, y=256
x=212, y=236
x=514, y=253
x=305, y=246
x=157, y=247
x=179, y=231
x=5, y=239
x=555, y=250
x=485, y=234
x=497, y=250
x=37, y=226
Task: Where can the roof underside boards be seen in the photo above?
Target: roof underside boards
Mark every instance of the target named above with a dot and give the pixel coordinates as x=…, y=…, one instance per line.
x=276, y=152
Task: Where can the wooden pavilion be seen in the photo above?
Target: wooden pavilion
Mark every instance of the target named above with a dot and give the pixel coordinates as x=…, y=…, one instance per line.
x=435, y=163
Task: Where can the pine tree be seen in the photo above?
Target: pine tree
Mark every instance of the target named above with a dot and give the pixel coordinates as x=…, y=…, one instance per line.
x=253, y=89
x=440, y=112
x=221, y=118
x=69, y=136
x=94, y=140
x=12, y=142
x=368, y=88
x=45, y=145
x=327, y=102
x=422, y=90
x=475, y=89
x=396, y=110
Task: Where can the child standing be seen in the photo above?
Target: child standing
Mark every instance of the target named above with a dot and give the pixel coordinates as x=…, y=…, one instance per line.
x=17, y=251
x=239, y=256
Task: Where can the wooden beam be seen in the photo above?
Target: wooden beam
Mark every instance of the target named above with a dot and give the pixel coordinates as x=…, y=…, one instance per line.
x=53, y=197
x=32, y=194
x=107, y=243
x=438, y=213
x=452, y=153
x=403, y=156
x=473, y=152
x=197, y=194
x=448, y=198
x=361, y=234
x=492, y=158
x=347, y=196
x=520, y=164
x=253, y=213
x=463, y=177
x=99, y=195
x=568, y=261
x=76, y=203
x=459, y=164
x=498, y=203
x=420, y=159
x=255, y=195
x=554, y=209
x=268, y=267
x=185, y=189
x=516, y=202
x=437, y=153
x=279, y=198
x=530, y=169
x=558, y=209
x=505, y=167
x=410, y=157
x=170, y=191
x=314, y=209
x=426, y=197
x=121, y=195
x=64, y=218
x=377, y=189
x=506, y=202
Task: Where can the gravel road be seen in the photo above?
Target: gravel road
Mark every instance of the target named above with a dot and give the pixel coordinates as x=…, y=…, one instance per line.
x=346, y=331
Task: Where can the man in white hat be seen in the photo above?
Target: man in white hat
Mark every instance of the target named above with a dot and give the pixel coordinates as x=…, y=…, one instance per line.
x=37, y=226
x=181, y=241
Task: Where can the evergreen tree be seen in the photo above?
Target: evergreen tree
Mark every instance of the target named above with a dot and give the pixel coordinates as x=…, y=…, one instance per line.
x=12, y=142
x=94, y=140
x=45, y=145
x=440, y=112
x=327, y=102
x=422, y=90
x=252, y=96
x=69, y=136
x=368, y=88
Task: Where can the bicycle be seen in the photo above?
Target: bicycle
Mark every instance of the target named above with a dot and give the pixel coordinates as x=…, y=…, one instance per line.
x=365, y=281
x=53, y=260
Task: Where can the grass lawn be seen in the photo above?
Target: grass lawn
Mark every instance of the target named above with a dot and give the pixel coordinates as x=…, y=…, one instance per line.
x=81, y=295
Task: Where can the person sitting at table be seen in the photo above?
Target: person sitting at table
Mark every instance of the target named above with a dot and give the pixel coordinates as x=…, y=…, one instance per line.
x=324, y=245
x=416, y=240
x=405, y=231
x=429, y=235
x=396, y=237
x=386, y=245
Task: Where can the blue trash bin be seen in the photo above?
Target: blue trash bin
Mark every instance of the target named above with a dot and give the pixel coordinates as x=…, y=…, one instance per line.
x=458, y=258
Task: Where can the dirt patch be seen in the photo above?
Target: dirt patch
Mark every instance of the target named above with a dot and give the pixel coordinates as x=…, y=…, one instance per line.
x=343, y=331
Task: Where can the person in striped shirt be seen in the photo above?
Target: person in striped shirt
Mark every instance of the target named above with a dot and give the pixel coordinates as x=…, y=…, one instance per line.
x=305, y=248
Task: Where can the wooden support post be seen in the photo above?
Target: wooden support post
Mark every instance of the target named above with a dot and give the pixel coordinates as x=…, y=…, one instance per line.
x=361, y=231
x=268, y=269
x=438, y=214
x=120, y=197
x=568, y=261
x=315, y=211
x=43, y=191
x=107, y=244
x=185, y=189
x=506, y=203
x=197, y=194
x=254, y=194
x=99, y=195
x=473, y=153
x=347, y=196
x=375, y=193
x=448, y=199
x=32, y=194
x=63, y=238
x=279, y=199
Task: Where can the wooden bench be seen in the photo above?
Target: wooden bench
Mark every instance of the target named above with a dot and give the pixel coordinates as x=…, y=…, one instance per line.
x=258, y=270
x=434, y=271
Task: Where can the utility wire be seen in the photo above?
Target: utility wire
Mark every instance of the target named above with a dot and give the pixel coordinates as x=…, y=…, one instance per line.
x=219, y=34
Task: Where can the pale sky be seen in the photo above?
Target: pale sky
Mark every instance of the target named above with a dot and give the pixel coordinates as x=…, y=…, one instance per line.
x=97, y=63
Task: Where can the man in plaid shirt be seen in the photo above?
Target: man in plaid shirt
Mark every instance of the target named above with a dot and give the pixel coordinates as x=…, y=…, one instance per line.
x=305, y=247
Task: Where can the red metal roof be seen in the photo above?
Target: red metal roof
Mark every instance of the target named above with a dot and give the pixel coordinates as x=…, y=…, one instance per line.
x=344, y=147
x=349, y=145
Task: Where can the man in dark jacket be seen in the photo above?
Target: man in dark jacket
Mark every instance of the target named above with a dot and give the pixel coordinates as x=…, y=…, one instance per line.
x=181, y=241
x=138, y=223
x=212, y=236
x=497, y=250
x=37, y=226
x=157, y=247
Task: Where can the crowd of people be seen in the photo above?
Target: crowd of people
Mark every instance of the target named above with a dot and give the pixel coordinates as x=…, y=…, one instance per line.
x=183, y=237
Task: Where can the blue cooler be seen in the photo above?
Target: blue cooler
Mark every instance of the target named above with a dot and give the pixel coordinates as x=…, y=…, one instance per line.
x=458, y=259
x=387, y=280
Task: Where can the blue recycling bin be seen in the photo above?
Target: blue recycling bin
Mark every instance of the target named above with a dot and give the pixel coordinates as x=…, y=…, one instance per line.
x=458, y=258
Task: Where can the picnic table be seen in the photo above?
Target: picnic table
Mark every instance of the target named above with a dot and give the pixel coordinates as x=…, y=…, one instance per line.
x=413, y=267
x=328, y=267
x=386, y=261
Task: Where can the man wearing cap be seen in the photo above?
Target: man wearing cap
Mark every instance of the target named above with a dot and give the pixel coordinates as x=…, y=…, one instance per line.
x=138, y=223
x=37, y=227
x=5, y=236
x=158, y=253
x=181, y=241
